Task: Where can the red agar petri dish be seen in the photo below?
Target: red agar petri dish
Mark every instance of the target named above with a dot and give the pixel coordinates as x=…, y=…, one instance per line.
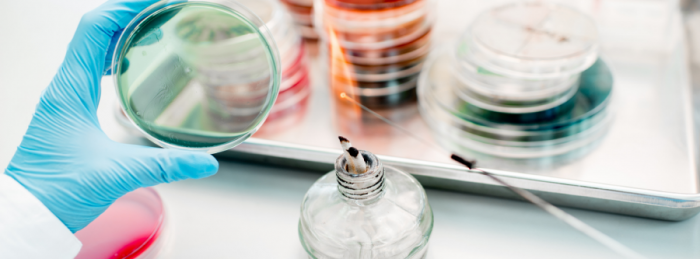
x=129, y=228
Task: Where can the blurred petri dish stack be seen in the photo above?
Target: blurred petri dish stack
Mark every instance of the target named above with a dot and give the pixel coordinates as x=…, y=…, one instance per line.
x=295, y=87
x=302, y=14
x=524, y=81
x=375, y=49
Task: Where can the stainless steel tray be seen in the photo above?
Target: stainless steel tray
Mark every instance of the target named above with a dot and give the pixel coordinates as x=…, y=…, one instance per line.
x=645, y=166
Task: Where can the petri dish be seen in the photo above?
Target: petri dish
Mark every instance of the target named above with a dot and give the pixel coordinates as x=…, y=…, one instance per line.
x=297, y=64
x=291, y=101
x=530, y=40
x=201, y=75
x=595, y=86
x=308, y=32
x=505, y=100
x=376, y=49
x=460, y=125
x=376, y=73
x=418, y=48
x=374, y=28
x=369, y=4
x=294, y=87
x=303, y=19
x=370, y=36
x=376, y=9
x=302, y=13
x=302, y=5
x=383, y=43
x=132, y=227
x=386, y=97
x=500, y=89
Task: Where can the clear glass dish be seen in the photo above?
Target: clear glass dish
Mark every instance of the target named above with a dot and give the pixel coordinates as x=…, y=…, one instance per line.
x=198, y=75
x=499, y=89
x=530, y=40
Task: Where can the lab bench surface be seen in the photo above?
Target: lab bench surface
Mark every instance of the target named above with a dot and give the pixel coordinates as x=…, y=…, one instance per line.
x=252, y=211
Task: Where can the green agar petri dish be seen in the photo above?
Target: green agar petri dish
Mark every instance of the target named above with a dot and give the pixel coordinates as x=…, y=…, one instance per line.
x=197, y=75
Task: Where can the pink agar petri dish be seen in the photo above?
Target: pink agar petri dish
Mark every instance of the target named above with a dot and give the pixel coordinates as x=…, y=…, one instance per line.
x=129, y=228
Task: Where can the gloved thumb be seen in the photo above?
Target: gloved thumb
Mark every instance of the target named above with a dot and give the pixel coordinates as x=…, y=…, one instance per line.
x=147, y=166
x=89, y=47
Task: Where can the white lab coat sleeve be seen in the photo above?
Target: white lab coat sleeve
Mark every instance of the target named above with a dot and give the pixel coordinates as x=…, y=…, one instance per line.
x=28, y=229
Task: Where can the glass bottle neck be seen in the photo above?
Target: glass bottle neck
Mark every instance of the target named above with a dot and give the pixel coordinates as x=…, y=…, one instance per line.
x=361, y=189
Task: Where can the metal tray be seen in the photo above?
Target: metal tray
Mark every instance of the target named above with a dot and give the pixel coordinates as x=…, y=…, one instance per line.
x=645, y=166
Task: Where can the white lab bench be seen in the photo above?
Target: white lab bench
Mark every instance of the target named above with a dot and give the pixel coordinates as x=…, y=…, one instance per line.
x=251, y=211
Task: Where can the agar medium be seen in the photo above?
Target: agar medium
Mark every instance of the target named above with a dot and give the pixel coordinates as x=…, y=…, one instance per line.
x=201, y=75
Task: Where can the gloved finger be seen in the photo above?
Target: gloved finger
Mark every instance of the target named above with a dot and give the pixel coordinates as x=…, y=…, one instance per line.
x=124, y=67
x=110, y=53
x=147, y=166
x=84, y=64
x=146, y=39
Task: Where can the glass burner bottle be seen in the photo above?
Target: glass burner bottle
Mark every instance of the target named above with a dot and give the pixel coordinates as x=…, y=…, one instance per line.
x=381, y=213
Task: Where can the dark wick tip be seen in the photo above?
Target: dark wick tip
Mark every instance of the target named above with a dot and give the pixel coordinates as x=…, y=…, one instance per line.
x=467, y=163
x=353, y=151
x=341, y=138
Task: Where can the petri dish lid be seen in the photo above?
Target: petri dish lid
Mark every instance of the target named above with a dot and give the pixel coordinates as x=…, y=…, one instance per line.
x=531, y=40
x=197, y=75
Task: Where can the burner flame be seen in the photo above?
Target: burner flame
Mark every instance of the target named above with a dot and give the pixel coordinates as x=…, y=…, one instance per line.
x=342, y=79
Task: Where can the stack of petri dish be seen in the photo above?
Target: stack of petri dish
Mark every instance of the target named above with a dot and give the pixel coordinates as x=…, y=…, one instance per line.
x=295, y=87
x=229, y=63
x=375, y=49
x=302, y=12
x=232, y=66
x=524, y=81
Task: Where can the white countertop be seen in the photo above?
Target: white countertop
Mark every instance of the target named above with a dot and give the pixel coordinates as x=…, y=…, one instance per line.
x=251, y=211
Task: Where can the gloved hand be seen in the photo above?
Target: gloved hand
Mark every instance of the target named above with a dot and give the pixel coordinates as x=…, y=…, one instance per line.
x=65, y=159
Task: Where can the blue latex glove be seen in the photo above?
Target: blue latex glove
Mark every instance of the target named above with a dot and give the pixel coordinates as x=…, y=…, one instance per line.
x=65, y=159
